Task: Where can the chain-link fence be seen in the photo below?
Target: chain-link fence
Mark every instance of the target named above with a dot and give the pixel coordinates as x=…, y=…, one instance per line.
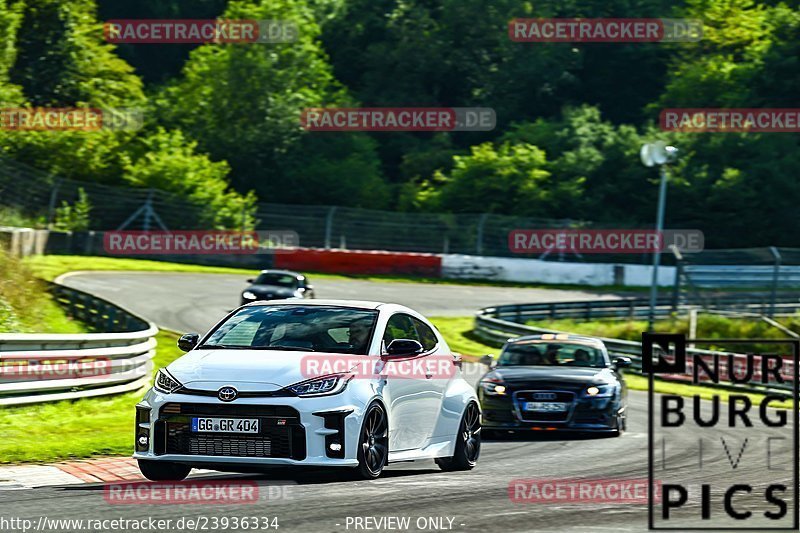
x=39, y=194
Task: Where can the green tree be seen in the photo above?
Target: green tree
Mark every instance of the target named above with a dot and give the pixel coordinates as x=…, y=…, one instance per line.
x=63, y=59
x=73, y=217
x=509, y=179
x=165, y=160
x=243, y=103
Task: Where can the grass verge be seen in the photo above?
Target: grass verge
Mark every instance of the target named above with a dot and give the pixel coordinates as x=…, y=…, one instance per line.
x=25, y=304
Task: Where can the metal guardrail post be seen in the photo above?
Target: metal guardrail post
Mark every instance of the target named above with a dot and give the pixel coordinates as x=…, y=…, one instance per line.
x=775, y=277
x=479, y=234
x=676, y=290
x=329, y=227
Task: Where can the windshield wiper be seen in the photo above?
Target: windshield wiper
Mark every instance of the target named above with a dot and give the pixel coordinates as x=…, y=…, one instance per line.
x=282, y=347
x=223, y=347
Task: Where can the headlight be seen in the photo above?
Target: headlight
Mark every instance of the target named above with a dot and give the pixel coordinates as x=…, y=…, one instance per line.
x=599, y=391
x=333, y=384
x=165, y=383
x=493, y=387
x=247, y=295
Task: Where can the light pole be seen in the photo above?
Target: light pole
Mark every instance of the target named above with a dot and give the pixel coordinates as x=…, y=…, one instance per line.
x=660, y=154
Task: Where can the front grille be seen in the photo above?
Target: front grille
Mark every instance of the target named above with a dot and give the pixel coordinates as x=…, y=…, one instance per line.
x=536, y=416
x=215, y=409
x=280, y=432
x=184, y=443
x=560, y=396
x=521, y=397
x=498, y=415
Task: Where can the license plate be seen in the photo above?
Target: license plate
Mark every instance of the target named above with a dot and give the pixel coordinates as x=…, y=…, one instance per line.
x=225, y=425
x=545, y=407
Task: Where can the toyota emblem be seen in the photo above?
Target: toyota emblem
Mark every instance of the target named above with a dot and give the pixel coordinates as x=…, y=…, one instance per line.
x=227, y=394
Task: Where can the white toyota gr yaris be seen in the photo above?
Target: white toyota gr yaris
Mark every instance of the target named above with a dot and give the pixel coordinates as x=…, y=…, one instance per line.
x=338, y=383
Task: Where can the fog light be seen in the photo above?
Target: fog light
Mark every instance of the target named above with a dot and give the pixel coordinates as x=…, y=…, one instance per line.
x=143, y=441
x=335, y=447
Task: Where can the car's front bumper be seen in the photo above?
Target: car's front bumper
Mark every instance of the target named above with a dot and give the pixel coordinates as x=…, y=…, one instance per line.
x=583, y=414
x=293, y=431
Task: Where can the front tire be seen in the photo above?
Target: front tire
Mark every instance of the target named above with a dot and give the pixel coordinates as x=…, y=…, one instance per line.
x=373, y=443
x=468, y=442
x=163, y=471
x=622, y=425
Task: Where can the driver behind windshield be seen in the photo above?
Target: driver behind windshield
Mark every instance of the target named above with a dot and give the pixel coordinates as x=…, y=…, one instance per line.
x=582, y=358
x=359, y=335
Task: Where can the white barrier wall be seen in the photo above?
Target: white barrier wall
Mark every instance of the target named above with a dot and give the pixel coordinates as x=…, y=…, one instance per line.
x=536, y=271
x=22, y=242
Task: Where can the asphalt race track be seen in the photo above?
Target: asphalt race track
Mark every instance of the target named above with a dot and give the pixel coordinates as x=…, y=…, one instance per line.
x=317, y=501
x=194, y=302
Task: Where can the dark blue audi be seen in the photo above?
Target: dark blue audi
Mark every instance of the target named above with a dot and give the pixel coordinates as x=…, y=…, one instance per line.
x=554, y=382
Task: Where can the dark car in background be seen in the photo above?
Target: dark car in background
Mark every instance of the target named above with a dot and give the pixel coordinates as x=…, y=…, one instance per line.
x=277, y=285
x=554, y=382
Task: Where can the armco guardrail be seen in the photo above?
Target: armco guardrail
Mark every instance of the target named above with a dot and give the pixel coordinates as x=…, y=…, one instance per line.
x=638, y=308
x=47, y=367
x=497, y=331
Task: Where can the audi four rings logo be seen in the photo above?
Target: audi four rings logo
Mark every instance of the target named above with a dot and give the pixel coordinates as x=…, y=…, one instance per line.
x=227, y=394
x=544, y=396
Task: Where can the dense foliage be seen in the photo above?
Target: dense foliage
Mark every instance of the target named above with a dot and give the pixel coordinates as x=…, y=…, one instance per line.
x=222, y=121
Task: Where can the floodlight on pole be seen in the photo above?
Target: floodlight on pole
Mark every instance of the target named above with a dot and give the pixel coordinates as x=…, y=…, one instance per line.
x=657, y=154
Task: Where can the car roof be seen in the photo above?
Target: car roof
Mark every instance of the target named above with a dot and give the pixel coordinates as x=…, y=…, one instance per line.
x=554, y=338
x=361, y=304
x=288, y=272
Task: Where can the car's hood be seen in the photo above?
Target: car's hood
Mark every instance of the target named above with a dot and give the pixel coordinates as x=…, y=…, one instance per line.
x=247, y=370
x=558, y=375
x=271, y=290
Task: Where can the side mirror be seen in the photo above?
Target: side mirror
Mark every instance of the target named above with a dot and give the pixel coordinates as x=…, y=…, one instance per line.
x=400, y=347
x=488, y=360
x=188, y=341
x=622, y=362
x=251, y=280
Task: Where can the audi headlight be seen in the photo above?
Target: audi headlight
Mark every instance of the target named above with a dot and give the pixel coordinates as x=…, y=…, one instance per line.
x=247, y=295
x=599, y=391
x=333, y=384
x=493, y=387
x=165, y=383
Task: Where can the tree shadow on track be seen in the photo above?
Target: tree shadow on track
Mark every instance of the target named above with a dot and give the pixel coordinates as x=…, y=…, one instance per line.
x=544, y=436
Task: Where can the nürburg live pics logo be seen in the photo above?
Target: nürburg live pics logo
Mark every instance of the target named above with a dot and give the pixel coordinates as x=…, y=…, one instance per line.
x=725, y=451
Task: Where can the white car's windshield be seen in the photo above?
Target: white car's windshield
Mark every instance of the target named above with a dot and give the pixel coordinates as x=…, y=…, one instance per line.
x=551, y=354
x=297, y=328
